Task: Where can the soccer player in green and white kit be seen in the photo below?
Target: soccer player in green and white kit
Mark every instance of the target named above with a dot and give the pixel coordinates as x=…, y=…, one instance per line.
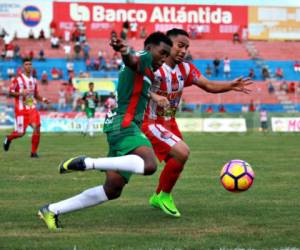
x=129, y=149
x=90, y=99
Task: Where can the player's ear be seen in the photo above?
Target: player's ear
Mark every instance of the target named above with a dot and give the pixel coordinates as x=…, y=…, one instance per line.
x=148, y=47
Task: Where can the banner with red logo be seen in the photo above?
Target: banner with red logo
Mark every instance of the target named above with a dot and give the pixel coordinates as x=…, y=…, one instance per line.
x=206, y=21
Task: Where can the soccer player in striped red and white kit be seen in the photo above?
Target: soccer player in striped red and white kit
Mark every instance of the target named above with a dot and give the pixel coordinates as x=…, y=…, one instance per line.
x=160, y=125
x=25, y=91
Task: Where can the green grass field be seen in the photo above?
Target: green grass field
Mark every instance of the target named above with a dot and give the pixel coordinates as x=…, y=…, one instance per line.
x=265, y=217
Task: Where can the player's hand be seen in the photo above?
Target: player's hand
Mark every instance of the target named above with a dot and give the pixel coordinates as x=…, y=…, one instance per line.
x=45, y=100
x=161, y=101
x=240, y=84
x=118, y=45
x=24, y=93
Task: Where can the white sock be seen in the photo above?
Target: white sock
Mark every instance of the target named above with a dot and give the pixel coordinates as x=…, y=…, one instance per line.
x=90, y=126
x=87, y=198
x=130, y=163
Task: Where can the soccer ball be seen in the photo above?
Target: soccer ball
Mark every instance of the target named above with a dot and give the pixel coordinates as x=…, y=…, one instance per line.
x=237, y=176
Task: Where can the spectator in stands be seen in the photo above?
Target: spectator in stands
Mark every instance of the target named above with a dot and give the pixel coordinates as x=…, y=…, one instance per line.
x=31, y=55
x=265, y=73
x=88, y=64
x=62, y=99
x=208, y=70
x=17, y=55
x=251, y=73
x=279, y=73
x=297, y=66
x=53, y=28
x=216, y=63
x=86, y=51
x=245, y=108
x=298, y=88
x=67, y=49
x=271, y=88
x=76, y=96
x=31, y=35
x=67, y=36
x=9, y=51
x=54, y=74
x=3, y=54
x=227, y=67
x=7, y=40
x=76, y=35
x=143, y=32
x=291, y=88
x=222, y=108
x=34, y=72
x=44, y=77
x=42, y=35
x=133, y=30
x=193, y=31
x=10, y=72
x=245, y=33
x=284, y=86
x=82, y=37
x=236, y=37
x=96, y=64
x=3, y=33
x=251, y=106
x=54, y=40
x=209, y=109
x=263, y=117
x=77, y=50
x=41, y=55
x=70, y=67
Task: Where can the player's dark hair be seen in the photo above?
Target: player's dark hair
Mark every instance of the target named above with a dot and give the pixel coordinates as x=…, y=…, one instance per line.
x=156, y=38
x=26, y=59
x=90, y=83
x=177, y=32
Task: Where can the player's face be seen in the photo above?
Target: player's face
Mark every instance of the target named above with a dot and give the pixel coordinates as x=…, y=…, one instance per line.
x=180, y=47
x=27, y=67
x=91, y=86
x=159, y=53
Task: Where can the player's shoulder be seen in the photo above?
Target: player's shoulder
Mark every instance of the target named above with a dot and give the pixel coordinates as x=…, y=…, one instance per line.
x=141, y=52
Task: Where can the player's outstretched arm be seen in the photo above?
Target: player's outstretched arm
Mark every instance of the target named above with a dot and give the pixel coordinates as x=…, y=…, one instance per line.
x=129, y=60
x=239, y=84
x=42, y=99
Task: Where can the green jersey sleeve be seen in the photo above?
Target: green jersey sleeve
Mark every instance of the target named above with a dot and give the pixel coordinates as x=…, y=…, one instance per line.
x=144, y=62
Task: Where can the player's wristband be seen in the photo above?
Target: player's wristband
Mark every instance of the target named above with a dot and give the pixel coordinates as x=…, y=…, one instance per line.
x=126, y=52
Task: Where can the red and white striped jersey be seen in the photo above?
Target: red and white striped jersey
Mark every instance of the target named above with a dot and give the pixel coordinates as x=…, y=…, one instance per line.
x=18, y=85
x=170, y=83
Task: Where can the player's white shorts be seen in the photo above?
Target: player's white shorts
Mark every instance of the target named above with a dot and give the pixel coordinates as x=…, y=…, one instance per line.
x=162, y=137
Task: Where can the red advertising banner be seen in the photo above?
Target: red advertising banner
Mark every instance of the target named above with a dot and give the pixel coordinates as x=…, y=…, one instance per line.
x=207, y=21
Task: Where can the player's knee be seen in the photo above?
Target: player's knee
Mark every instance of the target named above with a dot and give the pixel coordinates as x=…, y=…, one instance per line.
x=150, y=166
x=113, y=188
x=113, y=192
x=184, y=154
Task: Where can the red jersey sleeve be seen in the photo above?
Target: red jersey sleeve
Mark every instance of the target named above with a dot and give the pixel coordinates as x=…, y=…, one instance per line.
x=14, y=86
x=193, y=75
